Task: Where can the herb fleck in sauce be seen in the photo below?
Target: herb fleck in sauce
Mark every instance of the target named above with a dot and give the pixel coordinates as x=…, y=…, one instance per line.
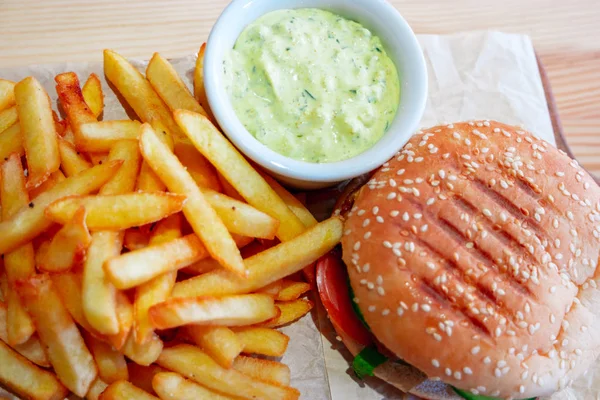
x=312, y=85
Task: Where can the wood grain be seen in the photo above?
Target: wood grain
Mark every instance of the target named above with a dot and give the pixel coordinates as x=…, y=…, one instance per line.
x=566, y=36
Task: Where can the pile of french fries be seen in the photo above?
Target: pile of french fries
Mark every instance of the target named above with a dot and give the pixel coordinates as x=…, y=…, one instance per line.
x=143, y=259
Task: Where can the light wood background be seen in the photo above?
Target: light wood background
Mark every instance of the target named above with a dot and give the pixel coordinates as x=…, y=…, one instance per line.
x=566, y=35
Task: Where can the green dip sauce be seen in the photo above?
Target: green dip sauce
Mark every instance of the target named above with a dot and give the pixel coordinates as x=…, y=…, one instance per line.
x=312, y=85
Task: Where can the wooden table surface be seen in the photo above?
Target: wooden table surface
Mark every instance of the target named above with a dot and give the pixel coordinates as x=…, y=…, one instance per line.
x=565, y=34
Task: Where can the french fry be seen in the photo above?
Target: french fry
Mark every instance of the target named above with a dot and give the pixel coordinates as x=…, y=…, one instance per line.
x=139, y=94
x=198, y=166
x=97, y=158
x=199, y=92
x=67, y=352
x=71, y=161
x=289, y=311
x=68, y=134
x=124, y=179
x=123, y=390
x=292, y=202
x=71, y=296
x=124, y=321
x=30, y=221
x=208, y=264
x=169, y=86
x=93, y=95
x=31, y=349
x=99, y=296
x=111, y=364
x=96, y=389
x=158, y=289
x=219, y=342
x=73, y=103
x=7, y=94
x=196, y=365
x=26, y=379
x=117, y=212
x=141, y=376
x=20, y=263
x=238, y=310
x=292, y=290
x=54, y=178
x=68, y=247
x=135, y=239
x=169, y=385
x=11, y=142
x=263, y=341
x=272, y=289
x=136, y=267
x=268, y=266
x=148, y=181
x=265, y=370
x=228, y=189
x=38, y=131
x=8, y=118
x=234, y=167
x=201, y=216
x=241, y=218
x=258, y=246
x=143, y=354
x=99, y=137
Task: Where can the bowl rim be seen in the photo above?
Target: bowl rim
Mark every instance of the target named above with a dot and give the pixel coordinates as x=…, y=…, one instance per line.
x=287, y=167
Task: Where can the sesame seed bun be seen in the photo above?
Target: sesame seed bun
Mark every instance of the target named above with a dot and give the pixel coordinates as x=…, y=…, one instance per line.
x=473, y=256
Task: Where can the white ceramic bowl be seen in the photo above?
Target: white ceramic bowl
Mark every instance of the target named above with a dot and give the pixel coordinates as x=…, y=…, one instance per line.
x=402, y=47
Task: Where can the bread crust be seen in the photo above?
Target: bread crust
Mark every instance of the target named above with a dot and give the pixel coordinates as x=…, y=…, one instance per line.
x=473, y=255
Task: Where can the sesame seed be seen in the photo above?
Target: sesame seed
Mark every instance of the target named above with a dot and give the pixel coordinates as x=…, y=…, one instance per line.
x=370, y=285
x=399, y=311
x=435, y=363
x=437, y=337
x=521, y=389
x=391, y=196
x=371, y=308
x=356, y=246
x=367, y=235
x=366, y=222
x=400, y=171
x=387, y=244
x=379, y=219
x=497, y=373
x=366, y=267
x=475, y=350
x=394, y=213
x=385, y=312
x=381, y=291
x=405, y=216
x=487, y=212
x=430, y=265
x=467, y=371
x=487, y=360
x=457, y=375
x=424, y=228
x=415, y=307
x=448, y=372
x=425, y=307
x=430, y=201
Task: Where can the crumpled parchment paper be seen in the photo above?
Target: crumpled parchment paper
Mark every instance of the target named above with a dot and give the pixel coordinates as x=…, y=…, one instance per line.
x=475, y=75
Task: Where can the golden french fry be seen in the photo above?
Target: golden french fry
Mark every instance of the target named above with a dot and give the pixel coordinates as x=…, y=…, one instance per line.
x=198, y=166
x=289, y=311
x=169, y=385
x=292, y=290
x=70, y=294
x=135, y=239
x=74, y=104
x=11, y=141
x=196, y=365
x=100, y=136
x=241, y=218
x=265, y=370
x=8, y=118
x=30, y=221
x=117, y=212
x=141, y=376
x=201, y=216
x=38, y=131
x=26, y=379
x=71, y=161
x=124, y=320
x=228, y=189
x=124, y=179
x=234, y=167
x=272, y=289
x=158, y=289
x=93, y=95
x=145, y=353
x=238, y=310
x=31, y=349
x=67, y=352
x=268, y=266
x=199, y=92
x=68, y=247
x=20, y=263
x=263, y=341
x=136, y=267
x=292, y=202
x=219, y=342
x=54, y=178
x=208, y=264
x=148, y=181
x=96, y=389
x=7, y=94
x=97, y=158
x=123, y=390
x=139, y=94
x=169, y=86
x=111, y=364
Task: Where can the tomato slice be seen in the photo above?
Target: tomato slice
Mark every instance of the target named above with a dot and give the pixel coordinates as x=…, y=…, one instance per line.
x=332, y=283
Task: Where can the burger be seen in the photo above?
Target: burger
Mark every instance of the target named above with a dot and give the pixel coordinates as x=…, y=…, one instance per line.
x=468, y=266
